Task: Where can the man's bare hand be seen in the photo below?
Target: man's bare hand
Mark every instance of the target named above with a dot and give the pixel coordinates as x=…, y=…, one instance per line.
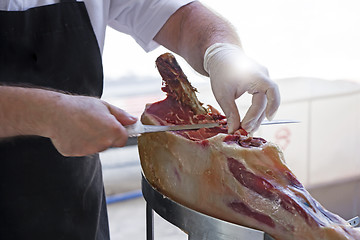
x=86, y=125
x=77, y=125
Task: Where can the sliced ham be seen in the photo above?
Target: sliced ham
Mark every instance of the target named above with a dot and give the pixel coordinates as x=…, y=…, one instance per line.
x=233, y=177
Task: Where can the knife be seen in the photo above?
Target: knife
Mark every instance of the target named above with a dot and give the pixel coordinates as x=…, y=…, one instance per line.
x=283, y=121
x=138, y=128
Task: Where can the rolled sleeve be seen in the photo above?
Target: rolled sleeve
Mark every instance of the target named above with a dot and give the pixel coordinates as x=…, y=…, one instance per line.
x=142, y=19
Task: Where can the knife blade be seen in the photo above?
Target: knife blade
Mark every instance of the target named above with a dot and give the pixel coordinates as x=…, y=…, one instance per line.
x=139, y=128
x=279, y=121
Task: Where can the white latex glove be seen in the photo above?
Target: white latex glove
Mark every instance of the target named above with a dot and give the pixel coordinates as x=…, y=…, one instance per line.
x=232, y=73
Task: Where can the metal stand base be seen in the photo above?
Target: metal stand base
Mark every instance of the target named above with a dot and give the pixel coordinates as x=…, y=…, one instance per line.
x=198, y=226
x=149, y=223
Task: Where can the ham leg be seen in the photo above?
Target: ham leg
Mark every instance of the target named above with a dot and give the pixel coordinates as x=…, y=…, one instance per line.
x=236, y=178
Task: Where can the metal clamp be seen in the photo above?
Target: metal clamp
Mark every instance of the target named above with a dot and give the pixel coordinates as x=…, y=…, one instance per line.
x=354, y=222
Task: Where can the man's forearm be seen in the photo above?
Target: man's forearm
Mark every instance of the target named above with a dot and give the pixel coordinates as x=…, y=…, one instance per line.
x=191, y=30
x=24, y=111
x=77, y=125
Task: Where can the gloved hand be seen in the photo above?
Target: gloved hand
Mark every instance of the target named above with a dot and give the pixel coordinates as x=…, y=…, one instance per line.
x=232, y=73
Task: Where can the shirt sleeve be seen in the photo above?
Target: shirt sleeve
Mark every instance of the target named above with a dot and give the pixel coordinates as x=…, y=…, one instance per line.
x=142, y=19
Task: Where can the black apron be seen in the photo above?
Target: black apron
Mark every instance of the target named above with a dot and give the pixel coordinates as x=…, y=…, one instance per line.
x=44, y=195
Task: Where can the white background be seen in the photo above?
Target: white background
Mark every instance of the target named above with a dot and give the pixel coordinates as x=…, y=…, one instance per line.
x=308, y=38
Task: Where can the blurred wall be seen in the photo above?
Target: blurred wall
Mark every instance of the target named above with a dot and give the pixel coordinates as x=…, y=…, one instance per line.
x=323, y=149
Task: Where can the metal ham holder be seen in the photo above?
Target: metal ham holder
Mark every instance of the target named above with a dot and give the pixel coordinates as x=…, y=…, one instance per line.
x=197, y=225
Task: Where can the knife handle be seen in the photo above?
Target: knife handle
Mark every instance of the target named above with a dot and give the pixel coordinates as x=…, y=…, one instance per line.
x=135, y=129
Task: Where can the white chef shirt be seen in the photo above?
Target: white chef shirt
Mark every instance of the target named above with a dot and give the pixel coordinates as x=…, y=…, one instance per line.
x=142, y=19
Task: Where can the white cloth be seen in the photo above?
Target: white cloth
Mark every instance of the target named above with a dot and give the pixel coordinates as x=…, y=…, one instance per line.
x=142, y=19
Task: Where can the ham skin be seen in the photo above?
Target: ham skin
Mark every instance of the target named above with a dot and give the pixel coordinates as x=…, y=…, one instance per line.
x=232, y=177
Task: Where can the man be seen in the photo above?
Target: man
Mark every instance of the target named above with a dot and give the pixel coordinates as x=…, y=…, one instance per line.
x=52, y=122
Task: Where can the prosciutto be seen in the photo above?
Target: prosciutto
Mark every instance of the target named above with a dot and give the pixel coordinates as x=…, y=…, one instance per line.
x=233, y=177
